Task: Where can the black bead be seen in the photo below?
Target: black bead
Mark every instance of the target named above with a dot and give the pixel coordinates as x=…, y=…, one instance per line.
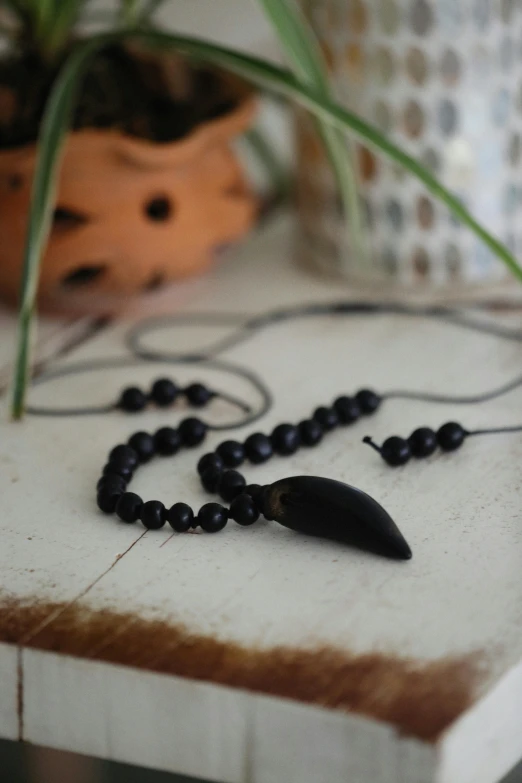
x=258, y=448
x=128, y=507
x=164, y=392
x=192, y=431
x=125, y=453
x=211, y=479
x=111, y=469
x=285, y=439
x=327, y=418
x=198, y=395
x=368, y=401
x=211, y=460
x=348, y=409
x=395, y=451
x=231, y=485
x=311, y=432
x=180, y=517
x=232, y=453
x=451, y=436
x=212, y=517
x=143, y=445
x=243, y=510
x=132, y=400
x=107, y=498
x=111, y=480
x=153, y=514
x=167, y=441
x=423, y=442
x=123, y=464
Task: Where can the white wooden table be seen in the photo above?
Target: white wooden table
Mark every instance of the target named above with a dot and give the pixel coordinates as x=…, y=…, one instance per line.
x=260, y=655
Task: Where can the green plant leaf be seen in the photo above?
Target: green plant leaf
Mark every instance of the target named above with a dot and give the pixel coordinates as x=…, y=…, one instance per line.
x=302, y=50
x=299, y=45
x=57, y=117
x=54, y=127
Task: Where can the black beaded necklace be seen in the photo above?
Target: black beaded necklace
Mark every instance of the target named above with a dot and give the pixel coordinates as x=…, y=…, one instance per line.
x=313, y=505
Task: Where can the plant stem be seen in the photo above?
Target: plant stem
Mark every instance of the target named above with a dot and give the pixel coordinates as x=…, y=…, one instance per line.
x=21, y=376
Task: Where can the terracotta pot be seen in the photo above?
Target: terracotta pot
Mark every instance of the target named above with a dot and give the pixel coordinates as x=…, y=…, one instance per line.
x=130, y=214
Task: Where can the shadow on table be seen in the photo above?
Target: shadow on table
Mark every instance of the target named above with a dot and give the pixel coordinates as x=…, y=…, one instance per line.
x=21, y=763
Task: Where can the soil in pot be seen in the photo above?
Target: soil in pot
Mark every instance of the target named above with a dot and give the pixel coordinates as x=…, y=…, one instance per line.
x=157, y=98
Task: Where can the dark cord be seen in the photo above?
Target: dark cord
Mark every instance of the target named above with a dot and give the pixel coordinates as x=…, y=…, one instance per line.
x=471, y=399
x=370, y=442
x=245, y=327
x=495, y=431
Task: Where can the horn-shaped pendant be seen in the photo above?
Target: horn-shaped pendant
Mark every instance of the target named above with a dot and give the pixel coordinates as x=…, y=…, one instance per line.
x=330, y=509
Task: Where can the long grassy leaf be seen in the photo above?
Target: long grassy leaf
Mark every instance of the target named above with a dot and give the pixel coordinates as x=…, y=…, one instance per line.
x=52, y=135
x=304, y=55
x=299, y=45
x=265, y=75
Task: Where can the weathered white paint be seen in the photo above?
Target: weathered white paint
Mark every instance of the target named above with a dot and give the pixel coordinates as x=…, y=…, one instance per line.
x=140, y=718
x=461, y=593
x=294, y=743
x=8, y=692
x=487, y=741
x=207, y=731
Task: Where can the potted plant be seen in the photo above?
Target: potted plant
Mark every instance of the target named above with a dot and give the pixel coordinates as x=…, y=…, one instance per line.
x=306, y=83
x=150, y=186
